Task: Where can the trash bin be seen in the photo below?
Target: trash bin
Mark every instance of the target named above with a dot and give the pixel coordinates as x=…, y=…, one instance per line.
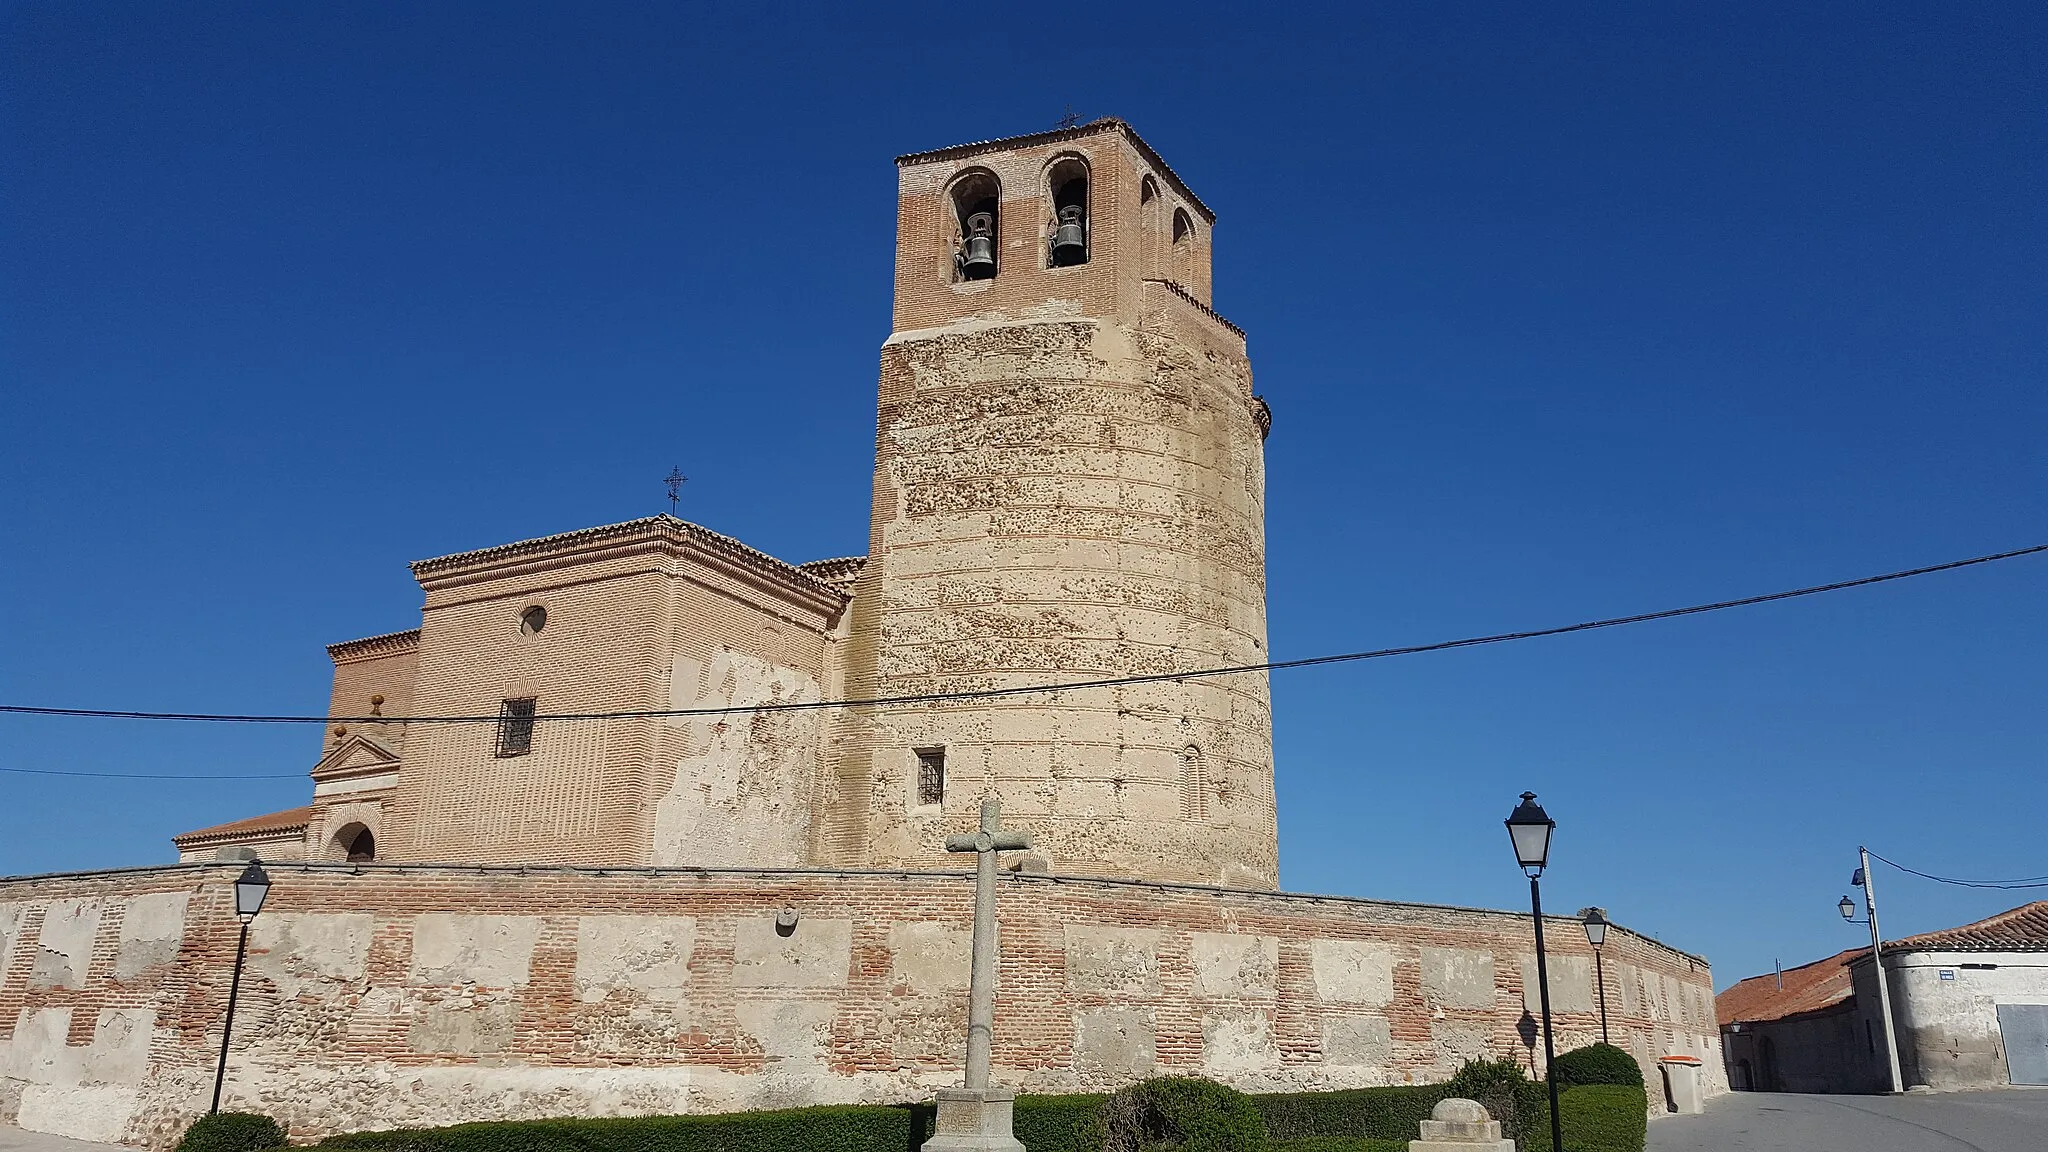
x=1681, y=1083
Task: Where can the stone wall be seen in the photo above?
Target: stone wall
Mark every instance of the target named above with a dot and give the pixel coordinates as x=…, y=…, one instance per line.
x=386, y=996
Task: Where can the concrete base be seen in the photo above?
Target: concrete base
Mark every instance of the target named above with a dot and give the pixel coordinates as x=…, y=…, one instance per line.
x=974, y=1120
x=1460, y=1146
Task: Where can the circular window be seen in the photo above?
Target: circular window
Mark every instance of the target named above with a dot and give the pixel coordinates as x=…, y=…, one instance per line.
x=533, y=620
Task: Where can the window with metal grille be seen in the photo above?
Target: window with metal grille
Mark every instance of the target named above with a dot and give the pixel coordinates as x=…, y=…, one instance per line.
x=931, y=775
x=515, y=727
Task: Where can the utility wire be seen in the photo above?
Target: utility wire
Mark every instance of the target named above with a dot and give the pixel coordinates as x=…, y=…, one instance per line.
x=2024, y=882
x=1073, y=686
x=154, y=775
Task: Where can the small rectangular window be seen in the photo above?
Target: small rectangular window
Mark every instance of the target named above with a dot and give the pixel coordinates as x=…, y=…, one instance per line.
x=515, y=727
x=931, y=775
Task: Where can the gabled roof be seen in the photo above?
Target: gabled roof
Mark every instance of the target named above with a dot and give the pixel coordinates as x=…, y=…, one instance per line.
x=2021, y=929
x=663, y=529
x=289, y=820
x=1808, y=988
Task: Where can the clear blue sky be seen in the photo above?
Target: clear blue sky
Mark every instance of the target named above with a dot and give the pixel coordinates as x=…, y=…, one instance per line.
x=1562, y=315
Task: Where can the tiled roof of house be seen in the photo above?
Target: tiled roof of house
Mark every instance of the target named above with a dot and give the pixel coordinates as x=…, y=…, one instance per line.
x=2021, y=929
x=289, y=820
x=1808, y=988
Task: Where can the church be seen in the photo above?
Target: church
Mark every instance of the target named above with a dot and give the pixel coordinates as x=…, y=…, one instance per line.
x=1068, y=486
x=640, y=820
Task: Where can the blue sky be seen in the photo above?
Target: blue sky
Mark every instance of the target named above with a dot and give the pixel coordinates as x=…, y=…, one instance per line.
x=1561, y=314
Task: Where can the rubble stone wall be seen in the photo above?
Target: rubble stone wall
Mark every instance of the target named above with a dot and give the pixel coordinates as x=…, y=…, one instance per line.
x=387, y=996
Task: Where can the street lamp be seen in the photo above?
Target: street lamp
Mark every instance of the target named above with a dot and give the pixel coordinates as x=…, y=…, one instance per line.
x=250, y=889
x=1596, y=935
x=1530, y=828
x=1848, y=909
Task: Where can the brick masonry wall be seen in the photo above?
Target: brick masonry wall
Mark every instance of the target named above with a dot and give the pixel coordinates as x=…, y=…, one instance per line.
x=389, y=996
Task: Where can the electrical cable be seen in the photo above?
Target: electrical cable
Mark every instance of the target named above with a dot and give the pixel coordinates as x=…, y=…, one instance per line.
x=1031, y=689
x=2023, y=882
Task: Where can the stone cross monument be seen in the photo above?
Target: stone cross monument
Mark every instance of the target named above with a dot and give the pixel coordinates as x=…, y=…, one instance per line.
x=976, y=1118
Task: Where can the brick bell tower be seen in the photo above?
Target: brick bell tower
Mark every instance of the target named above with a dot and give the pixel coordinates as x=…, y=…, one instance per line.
x=1069, y=485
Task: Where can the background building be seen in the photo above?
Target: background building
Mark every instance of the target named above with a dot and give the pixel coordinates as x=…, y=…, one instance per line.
x=1970, y=1006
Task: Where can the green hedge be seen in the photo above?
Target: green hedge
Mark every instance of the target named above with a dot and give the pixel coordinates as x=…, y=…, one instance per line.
x=1182, y=1113
x=827, y=1129
x=1597, y=1118
x=1381, y=1113
x=1336, y=1144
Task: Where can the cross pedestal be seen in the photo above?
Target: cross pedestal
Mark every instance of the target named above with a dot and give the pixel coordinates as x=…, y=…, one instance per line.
x=976, y=1118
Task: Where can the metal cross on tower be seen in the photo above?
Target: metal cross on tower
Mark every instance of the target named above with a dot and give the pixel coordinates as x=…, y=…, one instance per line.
x=1069, y=120
x=675, y=480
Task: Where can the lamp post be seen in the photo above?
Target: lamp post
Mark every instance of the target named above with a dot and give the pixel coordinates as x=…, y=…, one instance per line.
x=1847, y=908
x=1529, y=827
x=1596, y=935
x=250, y=889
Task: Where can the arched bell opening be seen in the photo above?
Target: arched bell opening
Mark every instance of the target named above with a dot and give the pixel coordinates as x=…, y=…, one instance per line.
x=1068, y=229
x=977, y=221
x=356, y=843
x=1183, y=246
x=1151, y=225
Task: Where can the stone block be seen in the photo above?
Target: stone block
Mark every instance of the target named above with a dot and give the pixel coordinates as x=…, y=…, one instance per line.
x=152, y=930
x=1238, y=1042
x=317, y=953
x=927, y=957
x=648, y=954
x=463, y=1028
x=1458, y=977
x=64, y=949
x=817, y=955
x=1358, y=1041
x=1115, y=1043
x=1571, y=984
x=974, y=1120
x=1352, y=971
x=788, y=1031
x=39, y=1053
x=1117, y=961
x=120, y=1046
x=1457, y=1043
x=926, y=1027
x=490, y=951
x=1456, y=1125
x=1228, y=964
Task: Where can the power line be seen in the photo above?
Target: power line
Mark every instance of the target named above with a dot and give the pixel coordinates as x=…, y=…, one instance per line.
x=153, y=775
x=2023, y=882
x=1072, y=686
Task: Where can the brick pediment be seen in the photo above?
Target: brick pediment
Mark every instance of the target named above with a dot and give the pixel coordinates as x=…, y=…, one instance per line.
x=356, y=755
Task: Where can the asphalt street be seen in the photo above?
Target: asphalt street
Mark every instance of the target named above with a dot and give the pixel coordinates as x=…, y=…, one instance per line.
x=15, y=1140
x=2008, y=1120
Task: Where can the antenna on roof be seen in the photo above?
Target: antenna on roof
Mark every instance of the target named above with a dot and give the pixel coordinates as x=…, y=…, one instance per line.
x=675, y=480
x=1069, y=120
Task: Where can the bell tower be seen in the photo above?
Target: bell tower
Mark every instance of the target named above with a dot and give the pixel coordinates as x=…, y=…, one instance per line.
x=1069, y=486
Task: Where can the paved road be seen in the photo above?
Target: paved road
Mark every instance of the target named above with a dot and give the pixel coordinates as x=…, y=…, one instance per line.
x=15, y=1140
x=2011, y=1120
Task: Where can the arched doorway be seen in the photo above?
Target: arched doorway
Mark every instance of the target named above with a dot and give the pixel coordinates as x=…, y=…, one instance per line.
x=356, y=843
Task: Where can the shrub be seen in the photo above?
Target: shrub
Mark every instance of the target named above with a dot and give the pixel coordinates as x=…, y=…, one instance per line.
x=1508, y=1095
x=1184, y=1114
x=1598, y=1064
x=1057, y=1123
x=1380, y=1113
x=232, y=1132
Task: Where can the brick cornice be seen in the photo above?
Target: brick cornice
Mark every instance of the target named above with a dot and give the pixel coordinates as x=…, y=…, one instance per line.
x=371, y=647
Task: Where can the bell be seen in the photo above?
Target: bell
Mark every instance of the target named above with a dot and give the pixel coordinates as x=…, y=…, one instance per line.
x=1069, y=239
x=978, y=250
